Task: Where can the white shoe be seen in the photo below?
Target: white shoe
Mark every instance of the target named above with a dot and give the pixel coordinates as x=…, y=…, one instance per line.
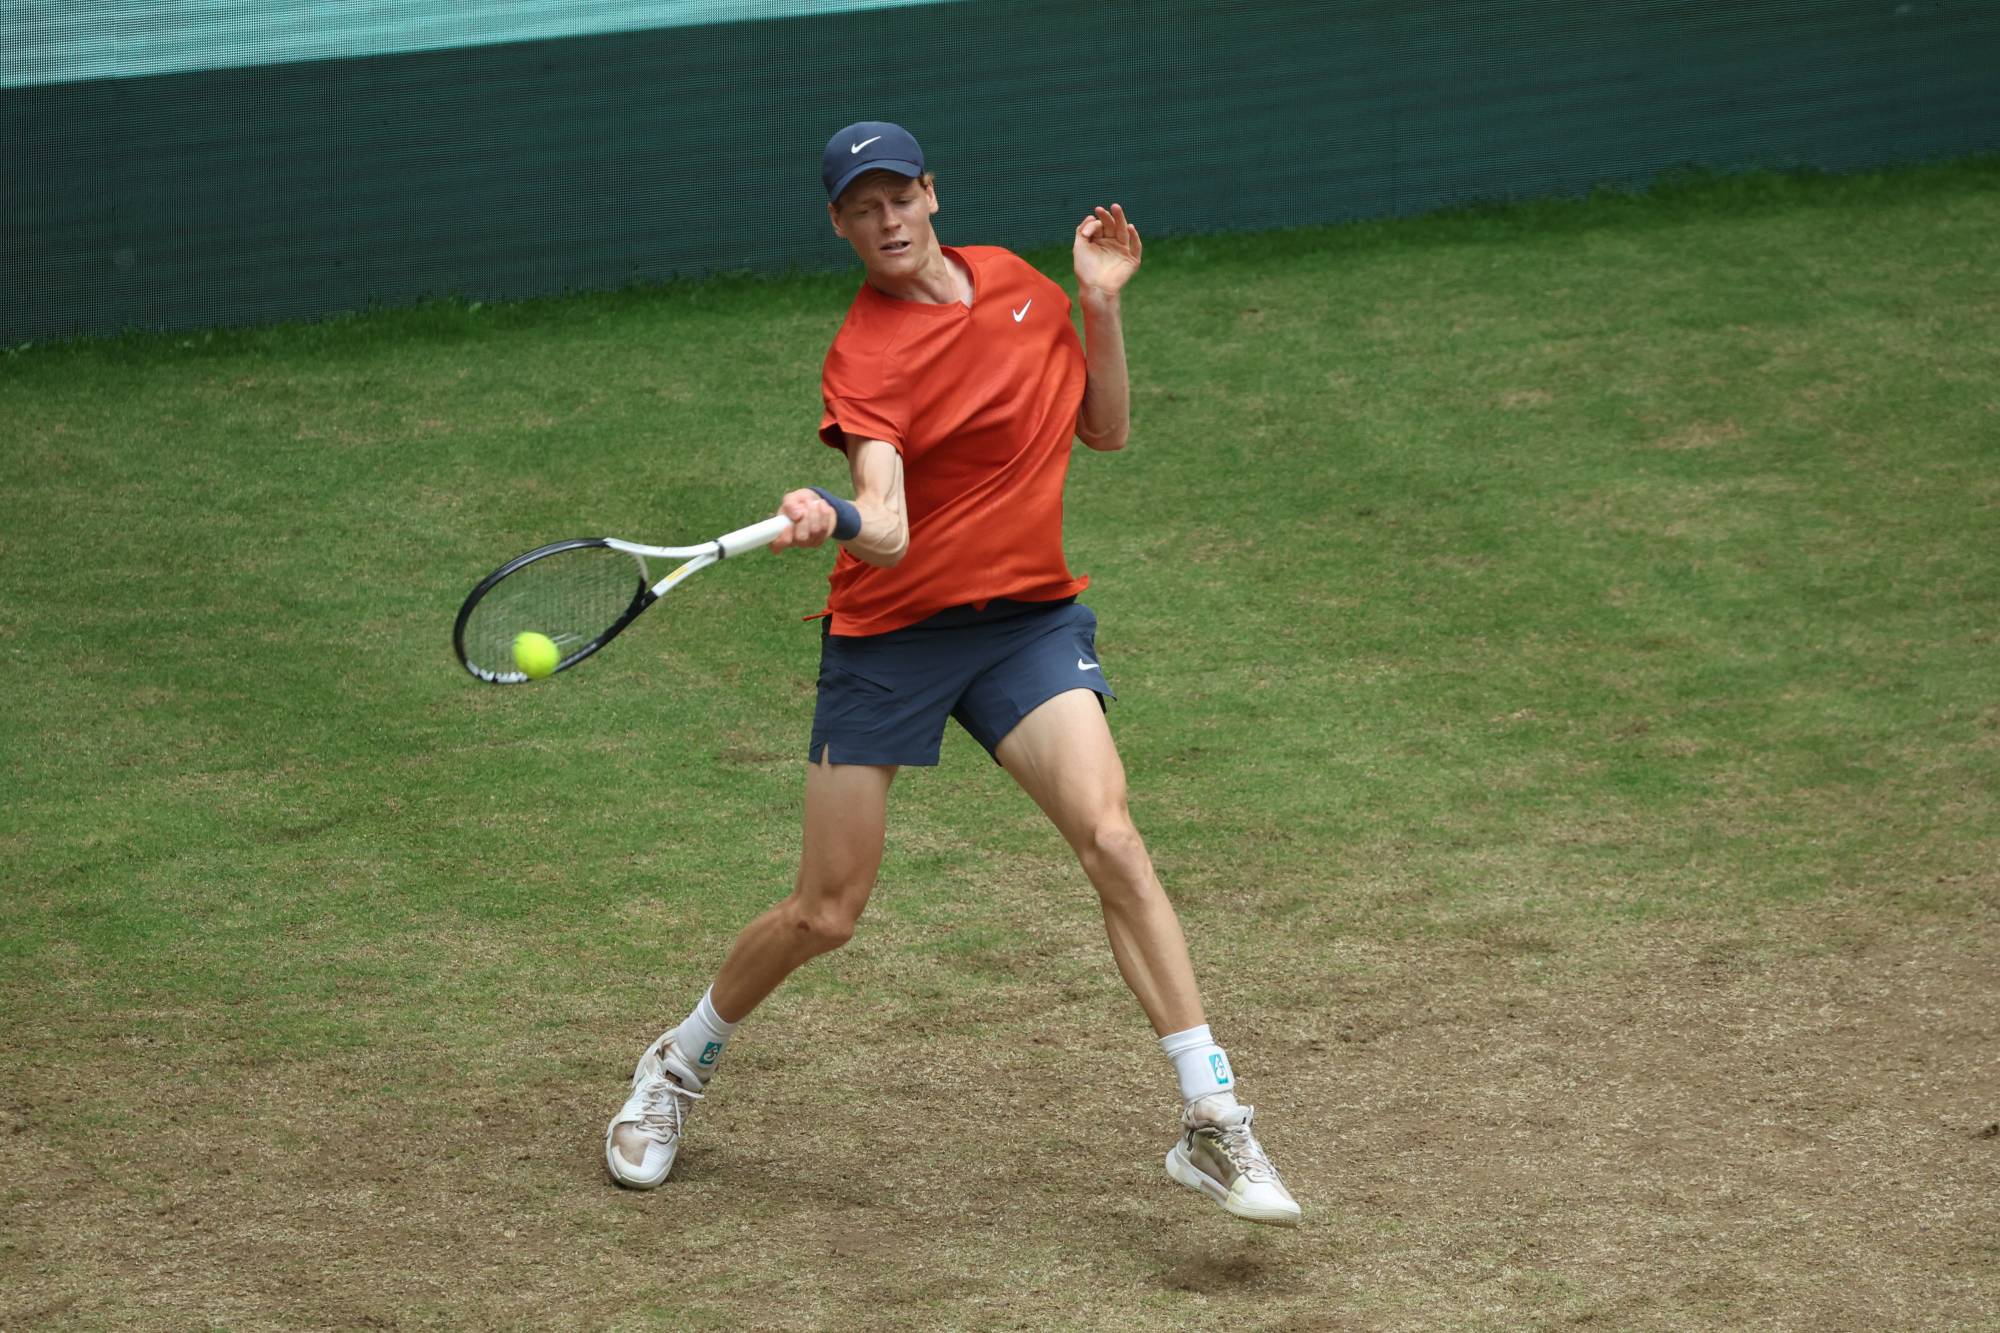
x=1218, y=1155
x=643, y=1138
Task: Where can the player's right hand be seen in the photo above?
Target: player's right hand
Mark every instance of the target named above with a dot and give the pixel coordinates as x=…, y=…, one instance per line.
x=812, y=520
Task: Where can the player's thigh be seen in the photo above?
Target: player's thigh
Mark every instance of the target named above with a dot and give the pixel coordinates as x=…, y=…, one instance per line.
x=847, y=808
x=1063, y=756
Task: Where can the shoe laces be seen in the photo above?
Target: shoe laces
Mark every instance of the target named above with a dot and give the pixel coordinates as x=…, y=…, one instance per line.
x=1243, y=1150
x=665, y=1106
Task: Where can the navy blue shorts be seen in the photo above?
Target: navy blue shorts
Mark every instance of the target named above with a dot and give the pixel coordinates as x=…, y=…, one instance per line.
x=884, y=698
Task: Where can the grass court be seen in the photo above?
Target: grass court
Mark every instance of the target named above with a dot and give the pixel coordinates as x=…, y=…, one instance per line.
x=1556, y=648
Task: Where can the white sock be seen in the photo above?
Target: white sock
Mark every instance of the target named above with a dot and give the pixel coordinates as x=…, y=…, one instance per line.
x=1201, y=1065
x=702, y=1035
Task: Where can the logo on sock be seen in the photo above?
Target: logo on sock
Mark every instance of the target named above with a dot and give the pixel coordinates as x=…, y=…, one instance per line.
x=709, y=1052
x=1220, y=1064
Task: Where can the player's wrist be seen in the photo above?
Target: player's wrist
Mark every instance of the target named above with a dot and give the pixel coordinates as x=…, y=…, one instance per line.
x=846, y=517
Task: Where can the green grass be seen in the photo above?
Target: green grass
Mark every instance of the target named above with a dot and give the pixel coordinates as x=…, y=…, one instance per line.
x=1507, y=582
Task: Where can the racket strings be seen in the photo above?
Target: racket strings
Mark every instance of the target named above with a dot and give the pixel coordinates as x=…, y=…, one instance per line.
x=575, y=597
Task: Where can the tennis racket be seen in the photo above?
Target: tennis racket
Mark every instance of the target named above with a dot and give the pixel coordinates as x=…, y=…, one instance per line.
x=581, y=594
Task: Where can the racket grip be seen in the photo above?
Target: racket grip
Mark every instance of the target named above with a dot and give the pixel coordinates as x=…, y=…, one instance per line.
x=751, y=538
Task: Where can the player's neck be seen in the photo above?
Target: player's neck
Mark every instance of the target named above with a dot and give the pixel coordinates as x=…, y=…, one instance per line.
x=941, y=280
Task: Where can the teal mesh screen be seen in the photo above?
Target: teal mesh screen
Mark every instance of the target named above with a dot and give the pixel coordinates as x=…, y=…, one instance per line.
x=63, y=41
x=178, y=165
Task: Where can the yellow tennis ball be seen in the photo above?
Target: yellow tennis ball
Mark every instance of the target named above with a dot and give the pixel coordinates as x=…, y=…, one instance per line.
x=536, y=654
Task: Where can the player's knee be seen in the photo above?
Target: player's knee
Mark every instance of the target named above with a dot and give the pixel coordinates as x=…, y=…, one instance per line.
x=1115, y=856
x=825, y=932
x=821, y=927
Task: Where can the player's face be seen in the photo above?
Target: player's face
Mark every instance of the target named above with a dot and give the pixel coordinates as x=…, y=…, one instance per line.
x=887, y=219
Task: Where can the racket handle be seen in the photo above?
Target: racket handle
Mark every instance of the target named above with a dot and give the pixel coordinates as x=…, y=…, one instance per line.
x=751, y=538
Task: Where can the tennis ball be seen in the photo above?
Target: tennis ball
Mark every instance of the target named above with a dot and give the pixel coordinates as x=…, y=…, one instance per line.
x=536, y=654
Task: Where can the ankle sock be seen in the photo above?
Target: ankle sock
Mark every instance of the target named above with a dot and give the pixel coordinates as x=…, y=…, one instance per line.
x=702, y=1035
x=1201, y=1066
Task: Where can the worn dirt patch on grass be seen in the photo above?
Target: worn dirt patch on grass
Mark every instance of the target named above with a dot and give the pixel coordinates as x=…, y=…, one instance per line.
x=1782, y=1122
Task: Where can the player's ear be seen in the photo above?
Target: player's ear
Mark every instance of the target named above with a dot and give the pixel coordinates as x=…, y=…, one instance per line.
x=833, y=216
x=930, y=195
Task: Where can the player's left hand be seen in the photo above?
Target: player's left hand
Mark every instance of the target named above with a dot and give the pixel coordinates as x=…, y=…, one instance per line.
x=1106, y=250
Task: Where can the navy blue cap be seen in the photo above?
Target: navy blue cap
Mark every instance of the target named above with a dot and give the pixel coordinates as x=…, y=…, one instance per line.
x=868, y=145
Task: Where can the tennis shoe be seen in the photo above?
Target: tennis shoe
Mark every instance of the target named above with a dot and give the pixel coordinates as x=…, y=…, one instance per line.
x=644, y=1137
x=1218, y=1155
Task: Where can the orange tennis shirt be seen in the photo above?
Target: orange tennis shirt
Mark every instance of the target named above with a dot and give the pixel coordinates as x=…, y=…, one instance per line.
x=982, y=403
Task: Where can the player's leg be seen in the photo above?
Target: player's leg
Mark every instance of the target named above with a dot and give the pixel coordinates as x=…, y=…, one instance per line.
x=1063, y=756
x=846, y=810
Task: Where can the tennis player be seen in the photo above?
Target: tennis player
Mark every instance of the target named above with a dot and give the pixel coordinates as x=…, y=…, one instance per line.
x=955, y=388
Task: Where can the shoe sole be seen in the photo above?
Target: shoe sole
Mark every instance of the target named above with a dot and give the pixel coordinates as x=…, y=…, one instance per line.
x=1186, y=1173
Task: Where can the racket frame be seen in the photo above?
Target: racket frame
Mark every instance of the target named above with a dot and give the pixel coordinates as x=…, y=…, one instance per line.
x=694, y=558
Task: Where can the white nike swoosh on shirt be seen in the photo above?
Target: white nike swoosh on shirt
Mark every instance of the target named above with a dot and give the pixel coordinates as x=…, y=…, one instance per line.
x=1022, y=313
x=1082, y=665
x=857, y=147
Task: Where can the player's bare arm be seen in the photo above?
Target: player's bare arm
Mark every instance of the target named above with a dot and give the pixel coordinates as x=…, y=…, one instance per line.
x=1106, y=254
x=877, y=470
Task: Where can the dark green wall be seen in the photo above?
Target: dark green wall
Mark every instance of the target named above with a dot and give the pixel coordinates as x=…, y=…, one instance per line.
x=246, y=195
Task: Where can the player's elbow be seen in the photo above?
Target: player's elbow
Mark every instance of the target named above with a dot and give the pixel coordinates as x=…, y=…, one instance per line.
x=1104, y=441
x=898, y=545
x=886, y=553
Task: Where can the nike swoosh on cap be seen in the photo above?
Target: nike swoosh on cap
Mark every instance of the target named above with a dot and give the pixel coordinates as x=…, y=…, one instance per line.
x=1082, y=665
x=857, y=147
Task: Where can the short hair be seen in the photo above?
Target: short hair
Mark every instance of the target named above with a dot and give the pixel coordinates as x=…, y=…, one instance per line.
x=877, y=174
